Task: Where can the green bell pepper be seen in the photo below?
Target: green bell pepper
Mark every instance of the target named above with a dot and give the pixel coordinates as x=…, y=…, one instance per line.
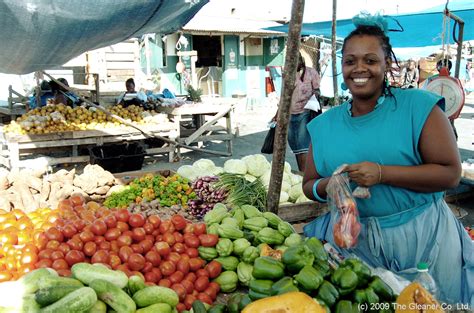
x=284, y=285
x=345, y=279
x=366, y=295
x=240, y=245
x=233, y=303
x=229, y=263
x=255, y=223
x=372, y=297
x=207, y=253
x=260, y=288
x=317, y=248
x=309, y=278
x=328, y=293
x=268, y=268
x=227, y=280
x=323, y=267
x=381, y=289
x=224, y=247
x=250, y=254
x=244, y=301
x=296, y=257
x=345, y=306
x=362, y=271
x=244, y=272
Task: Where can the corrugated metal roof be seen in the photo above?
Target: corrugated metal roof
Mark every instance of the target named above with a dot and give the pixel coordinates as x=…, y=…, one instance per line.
x=204, y=23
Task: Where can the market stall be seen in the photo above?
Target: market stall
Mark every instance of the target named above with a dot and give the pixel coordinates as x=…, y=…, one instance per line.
x=203, y=132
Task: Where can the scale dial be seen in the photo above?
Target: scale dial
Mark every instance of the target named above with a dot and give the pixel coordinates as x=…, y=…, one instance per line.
x=451, y=89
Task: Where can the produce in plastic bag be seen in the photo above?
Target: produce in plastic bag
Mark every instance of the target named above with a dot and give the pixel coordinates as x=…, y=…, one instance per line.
x=346, y=229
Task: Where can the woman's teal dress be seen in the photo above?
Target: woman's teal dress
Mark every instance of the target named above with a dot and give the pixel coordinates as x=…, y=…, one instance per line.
x=400, y=227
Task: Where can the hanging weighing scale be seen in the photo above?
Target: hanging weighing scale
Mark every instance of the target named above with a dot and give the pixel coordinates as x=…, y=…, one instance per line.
x=451, y=89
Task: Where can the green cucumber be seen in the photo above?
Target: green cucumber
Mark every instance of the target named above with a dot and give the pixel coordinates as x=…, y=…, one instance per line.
x=155, y=294
x=30, y=280
x=49, y=295
x=53, y=281
x=78, y=301
x=113, y=296
x=135, y=283
x=99, y=307
x=198, y=307
x=155, y=308
x=86, y=273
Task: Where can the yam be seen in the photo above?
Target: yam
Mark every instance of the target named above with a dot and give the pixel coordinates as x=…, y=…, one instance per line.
x=27, y=199
x=116, y=188
x=55, y=187
x=4, y=184
x=64, y=192
x=5, y=200
x=87, y=184
x=13, y=175
x=33, y=182
x=15, y=199
x=45, y=190
x=101, y=190
x=79, y=191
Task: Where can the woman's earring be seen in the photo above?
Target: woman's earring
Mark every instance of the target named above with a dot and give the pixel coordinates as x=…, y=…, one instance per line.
x=343, y=86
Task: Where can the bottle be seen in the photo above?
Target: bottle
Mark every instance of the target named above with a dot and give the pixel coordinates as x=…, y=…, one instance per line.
x=425, y=279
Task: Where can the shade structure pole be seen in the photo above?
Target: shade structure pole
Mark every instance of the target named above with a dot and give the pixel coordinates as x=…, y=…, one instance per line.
x=333, y=52
x=281, y=132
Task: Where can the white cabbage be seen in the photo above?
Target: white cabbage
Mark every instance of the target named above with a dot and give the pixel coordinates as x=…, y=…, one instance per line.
x=295, y=192
x=257, y=164
x=235, y=166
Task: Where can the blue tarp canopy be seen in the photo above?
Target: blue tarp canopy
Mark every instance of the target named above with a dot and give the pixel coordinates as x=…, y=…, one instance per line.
x=41, y=34
x=420, y=29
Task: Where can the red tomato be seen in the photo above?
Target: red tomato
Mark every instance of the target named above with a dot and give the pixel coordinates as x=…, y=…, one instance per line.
x=60, y=264
x=53, y=244
x=153, y=257
x=213, y=268
x=146, y=245
x=180, y=307
x=137, y=248
x=74, y=256
x=104, y=246
x=114, y=246
x=122, y=226
x=124, y=240
x=157, y=272
x=199, y=229
x=111, y=221
x=149, y=228
x=147, y=267
x=99, y=227
x=138, y=234
x=208, y=240
x=165, y=283
x=215, y=286
x=124, y=253
x=79, y=224
x=178, y=221
x=155, y=220
x=179, y=247
x=90, y=248
x=176, y=277
x=178, y=237
x=184, y=256
x=162, y=248
x=44, y=263
x=174, y=257
x=188, y=285
x=191, y=241
x=136, y=261
x=112, y=234
x=204, y=298
x=183, y=266
x=101, y=256
x=189, y=229
x=54, y=234
x=29, y=257
x=45, y=254
x=169, y=238
x=99, y=239
x=69, y=230
x=57, y=255
x=179, y=289
x=122, y=215
x=189, y=300
x=151, y=277
x=195, y=264
x=136, y=220
x=192, y=252
x=202, y=272
x=201, y=283
x=211, y=293
x=86, y=236
x=64, y=272
x=165, y=227
x=167, y=268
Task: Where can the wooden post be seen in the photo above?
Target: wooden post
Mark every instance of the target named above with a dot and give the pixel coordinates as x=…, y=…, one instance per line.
x=333, y=52
x=281, y=133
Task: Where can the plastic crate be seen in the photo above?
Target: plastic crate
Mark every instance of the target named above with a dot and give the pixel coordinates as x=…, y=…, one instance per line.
x=118, y=158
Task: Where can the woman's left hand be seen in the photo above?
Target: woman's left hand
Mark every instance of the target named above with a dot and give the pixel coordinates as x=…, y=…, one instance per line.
x=365, y=174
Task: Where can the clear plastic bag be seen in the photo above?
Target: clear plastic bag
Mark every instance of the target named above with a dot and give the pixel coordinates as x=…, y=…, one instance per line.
x=346, y=225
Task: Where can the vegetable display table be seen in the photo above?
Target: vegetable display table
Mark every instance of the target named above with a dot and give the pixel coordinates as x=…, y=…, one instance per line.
x=209, y=130
x=14, y=146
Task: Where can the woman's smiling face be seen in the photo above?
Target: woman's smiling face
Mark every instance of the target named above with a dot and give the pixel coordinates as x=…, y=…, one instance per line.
x=363, y=66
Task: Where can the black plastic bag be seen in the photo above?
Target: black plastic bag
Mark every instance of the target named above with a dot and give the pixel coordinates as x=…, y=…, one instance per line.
x=268, y=142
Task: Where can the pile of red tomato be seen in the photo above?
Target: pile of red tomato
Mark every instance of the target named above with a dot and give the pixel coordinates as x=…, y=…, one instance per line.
x=163, y=252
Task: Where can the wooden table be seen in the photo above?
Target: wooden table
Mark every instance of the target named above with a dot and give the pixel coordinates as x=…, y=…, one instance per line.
x=13, y=146
x=207, y=130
